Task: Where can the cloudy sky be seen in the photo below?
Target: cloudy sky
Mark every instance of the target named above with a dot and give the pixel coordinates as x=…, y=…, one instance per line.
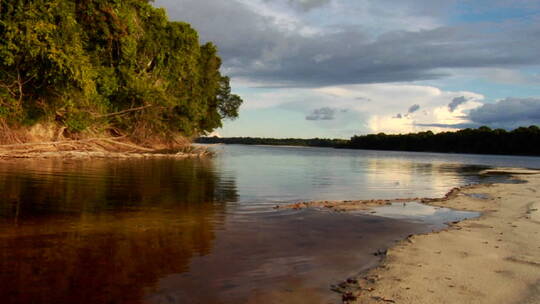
x=336, y=68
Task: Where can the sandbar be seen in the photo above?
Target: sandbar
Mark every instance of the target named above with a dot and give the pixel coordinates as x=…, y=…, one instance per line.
x=491, y=259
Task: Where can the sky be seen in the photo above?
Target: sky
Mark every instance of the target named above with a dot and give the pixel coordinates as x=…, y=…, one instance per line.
x=338, y=68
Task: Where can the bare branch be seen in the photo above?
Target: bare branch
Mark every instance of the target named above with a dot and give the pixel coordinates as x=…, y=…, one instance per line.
x=124, y=111
x=20, y=84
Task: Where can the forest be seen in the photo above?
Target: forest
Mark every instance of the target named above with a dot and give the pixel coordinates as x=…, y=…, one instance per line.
x=108, y=66
x=313, y=142
x=483, y=140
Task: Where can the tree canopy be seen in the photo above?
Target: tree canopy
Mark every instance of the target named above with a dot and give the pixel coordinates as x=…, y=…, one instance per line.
x=120, y=64
x=483, y=140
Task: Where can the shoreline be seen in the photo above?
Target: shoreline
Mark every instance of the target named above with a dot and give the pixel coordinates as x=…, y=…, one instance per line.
x=366, y=205
x=494, y=258
x=109, y=148
x=100, y=155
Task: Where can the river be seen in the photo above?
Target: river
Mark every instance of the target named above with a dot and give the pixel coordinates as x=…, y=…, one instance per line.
x=205, y=230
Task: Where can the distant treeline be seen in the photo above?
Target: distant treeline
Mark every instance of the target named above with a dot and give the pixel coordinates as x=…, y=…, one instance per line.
x=521, y=141
x=313, y=142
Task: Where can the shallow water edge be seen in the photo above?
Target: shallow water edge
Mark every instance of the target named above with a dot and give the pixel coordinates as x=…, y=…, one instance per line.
x=490, y=259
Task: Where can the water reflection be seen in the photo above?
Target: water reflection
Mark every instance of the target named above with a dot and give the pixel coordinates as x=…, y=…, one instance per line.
x=204, y=231
x=289, y=258
x=36, y=188
x=271, y=175
x=407, y=178
x=431, y=216
x=104, y=232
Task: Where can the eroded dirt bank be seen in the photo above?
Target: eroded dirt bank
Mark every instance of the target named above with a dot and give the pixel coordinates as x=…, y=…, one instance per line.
x=52, y=141
x=95, y=148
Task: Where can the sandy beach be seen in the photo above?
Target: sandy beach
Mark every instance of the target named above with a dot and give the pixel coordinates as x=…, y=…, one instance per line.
x=491, y=259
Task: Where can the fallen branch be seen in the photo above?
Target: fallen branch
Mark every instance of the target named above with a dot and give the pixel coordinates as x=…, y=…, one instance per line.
x=42, y=143
x=124, y=111
x=68, y=142
x=93, y=147
x=127, y=145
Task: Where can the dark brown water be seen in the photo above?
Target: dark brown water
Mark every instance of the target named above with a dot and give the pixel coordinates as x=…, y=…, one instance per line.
x=204, y=231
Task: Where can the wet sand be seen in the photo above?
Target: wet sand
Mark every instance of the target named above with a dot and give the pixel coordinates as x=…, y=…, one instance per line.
x=491, y=259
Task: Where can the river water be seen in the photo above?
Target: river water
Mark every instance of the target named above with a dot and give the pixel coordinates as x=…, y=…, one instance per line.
x=205, y=230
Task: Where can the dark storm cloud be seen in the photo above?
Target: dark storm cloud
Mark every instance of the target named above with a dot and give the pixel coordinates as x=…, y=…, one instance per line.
x=508, y=113
x=325, y=113
x=253, y=46
x=414, y=108
x=452, y=106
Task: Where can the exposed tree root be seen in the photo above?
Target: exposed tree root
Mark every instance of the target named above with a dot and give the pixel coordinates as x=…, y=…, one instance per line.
x=94, y=147
x=50, y=140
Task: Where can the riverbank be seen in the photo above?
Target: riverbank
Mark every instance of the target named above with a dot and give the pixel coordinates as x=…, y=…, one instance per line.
x=95, y=148
x=50, y=140
x=491, y=259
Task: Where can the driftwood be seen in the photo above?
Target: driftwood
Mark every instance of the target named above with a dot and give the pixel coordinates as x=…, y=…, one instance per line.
x=129, y=145
x=49, y=143
x=68, y=142
x=93, y=147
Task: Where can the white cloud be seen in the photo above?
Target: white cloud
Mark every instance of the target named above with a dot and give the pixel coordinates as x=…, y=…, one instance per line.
x=376, y=110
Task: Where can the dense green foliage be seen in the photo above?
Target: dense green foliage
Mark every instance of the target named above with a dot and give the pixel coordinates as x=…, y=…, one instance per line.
x=120, y=64
x=521, y=141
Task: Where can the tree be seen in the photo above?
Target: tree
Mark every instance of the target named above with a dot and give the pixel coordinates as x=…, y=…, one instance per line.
x=228, y=104
x=109, y=63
